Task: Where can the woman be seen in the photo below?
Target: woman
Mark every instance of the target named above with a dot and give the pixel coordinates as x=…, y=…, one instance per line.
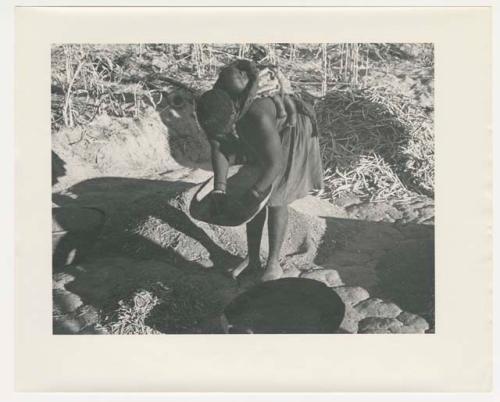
x=289, y=157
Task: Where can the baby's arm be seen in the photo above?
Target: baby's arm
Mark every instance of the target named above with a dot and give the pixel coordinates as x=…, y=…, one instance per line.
x=291, y=111
x=279, y=104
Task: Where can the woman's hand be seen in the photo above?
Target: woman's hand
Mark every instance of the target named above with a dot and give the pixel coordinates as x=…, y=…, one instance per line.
x=246, y=205
x=251, y=199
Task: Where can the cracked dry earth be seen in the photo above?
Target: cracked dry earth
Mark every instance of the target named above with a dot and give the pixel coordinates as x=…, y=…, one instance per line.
x=127, y=254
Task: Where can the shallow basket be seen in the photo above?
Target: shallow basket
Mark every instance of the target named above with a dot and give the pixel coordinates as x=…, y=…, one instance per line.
x=240, y=179
x=285, y=306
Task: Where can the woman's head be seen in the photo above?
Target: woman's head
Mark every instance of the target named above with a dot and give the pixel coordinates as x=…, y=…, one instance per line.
x=232, y=80
x=215, y=112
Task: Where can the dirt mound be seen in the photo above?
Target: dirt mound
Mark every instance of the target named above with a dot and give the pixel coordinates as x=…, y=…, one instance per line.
x=158, y=142
x=116, y=146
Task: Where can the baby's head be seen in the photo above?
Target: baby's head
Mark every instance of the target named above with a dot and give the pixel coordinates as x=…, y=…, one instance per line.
x=215, y=112
x=233, y=81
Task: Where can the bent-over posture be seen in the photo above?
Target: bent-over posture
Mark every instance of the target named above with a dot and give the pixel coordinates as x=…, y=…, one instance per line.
x=289, y=158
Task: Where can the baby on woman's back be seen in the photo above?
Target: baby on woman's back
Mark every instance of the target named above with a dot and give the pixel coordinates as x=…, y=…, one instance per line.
x=244, y=81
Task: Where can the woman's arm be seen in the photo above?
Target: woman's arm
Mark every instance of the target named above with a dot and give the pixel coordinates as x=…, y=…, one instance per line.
x=220, y=165
x=263, y=135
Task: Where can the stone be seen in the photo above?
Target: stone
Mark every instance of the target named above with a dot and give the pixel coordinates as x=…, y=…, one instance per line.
x=379, y=325
x=93, y=330
x=347, y=200
x=87, y=316
x=374, y=307
x=374, y=212
x=65, y=301
x=420, y=211
x=351, y=320
x=66, y=325
x=378, y=331
x=84, y=318
x=330, y=277
x=60, y=280
x=290, y=271
x=410, y=330
x=413, y=322
x=351, y=295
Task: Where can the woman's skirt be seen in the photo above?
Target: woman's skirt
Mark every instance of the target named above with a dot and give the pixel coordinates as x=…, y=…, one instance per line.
x=302, y=171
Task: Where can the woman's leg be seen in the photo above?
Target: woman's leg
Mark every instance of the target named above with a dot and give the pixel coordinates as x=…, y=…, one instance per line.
x=254, y=237
x=276, y=225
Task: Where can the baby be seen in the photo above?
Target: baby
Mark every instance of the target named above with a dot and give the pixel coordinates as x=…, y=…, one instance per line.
x=244, y=82
x=274, y=84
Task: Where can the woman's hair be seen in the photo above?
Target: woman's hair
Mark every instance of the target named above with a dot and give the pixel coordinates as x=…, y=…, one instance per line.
x=216, y=113
x=228, y=81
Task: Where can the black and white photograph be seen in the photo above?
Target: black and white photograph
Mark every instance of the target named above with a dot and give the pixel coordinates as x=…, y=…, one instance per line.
x=242, y=188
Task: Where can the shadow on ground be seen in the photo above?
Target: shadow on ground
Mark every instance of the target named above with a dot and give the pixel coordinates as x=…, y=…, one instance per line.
x=97, y=243
x=394, y=262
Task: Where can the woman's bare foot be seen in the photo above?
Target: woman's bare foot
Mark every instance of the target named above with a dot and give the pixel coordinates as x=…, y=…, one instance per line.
x=273, y=271
x=245, y=265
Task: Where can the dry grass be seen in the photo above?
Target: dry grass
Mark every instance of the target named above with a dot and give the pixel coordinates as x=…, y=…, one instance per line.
x=118, y=80
x=131, y=315
x=375, y=108
x=375, y=145
x=371, y=177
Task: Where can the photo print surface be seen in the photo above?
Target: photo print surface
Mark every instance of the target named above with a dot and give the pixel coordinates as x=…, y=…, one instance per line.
x=243, y=188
